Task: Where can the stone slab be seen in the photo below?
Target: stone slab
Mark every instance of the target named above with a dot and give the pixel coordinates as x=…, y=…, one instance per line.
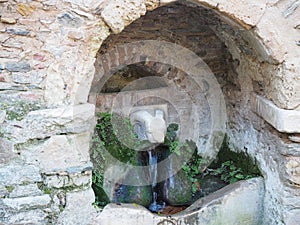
x=286, y=121
x=79, y=208
x=26, y=202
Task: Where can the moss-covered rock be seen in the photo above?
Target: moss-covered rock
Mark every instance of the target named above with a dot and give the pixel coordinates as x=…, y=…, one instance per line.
x=177, y=190
x=141, y=195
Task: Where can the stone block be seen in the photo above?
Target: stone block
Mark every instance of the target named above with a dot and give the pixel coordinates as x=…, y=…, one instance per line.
x=37, y=217
x=118, y=17
x=63, y=180
x=15, y=87
x=25, y=191
x=18, y=31
x=293, y=169
x=73, y=214
x=8, y=20
x=24, y=203
x=34, y=78
x=286, y=121
x=63, y=151
x=18, y=66
x=15, y=173
x=47, y=122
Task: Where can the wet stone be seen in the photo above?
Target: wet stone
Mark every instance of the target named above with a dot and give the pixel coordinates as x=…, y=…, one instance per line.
x=18, y=67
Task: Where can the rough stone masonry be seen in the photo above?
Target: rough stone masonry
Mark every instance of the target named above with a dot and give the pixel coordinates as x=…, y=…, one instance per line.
x=47, y=67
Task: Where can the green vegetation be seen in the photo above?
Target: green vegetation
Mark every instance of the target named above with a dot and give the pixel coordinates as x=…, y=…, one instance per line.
x=10, y=188
x=232, y=166
x=16, y=110
x=229, y=166
x=112, y=131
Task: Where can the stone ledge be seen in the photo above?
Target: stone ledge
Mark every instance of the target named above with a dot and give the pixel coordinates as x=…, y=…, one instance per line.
x=44, y=123
x=286, y=121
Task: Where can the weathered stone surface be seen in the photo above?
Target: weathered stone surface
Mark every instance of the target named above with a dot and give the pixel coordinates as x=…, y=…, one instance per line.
x=117, y=16
x=19, y=174
x=293, y=169
x=293, y=217
x=25, y=191
x=8, y=86
x=18, y=66
x=66, y=179
x=287, y=121
x=72, y=214
x=69, y=19
x=239, y=203
x=295, y=138
x=47, y=122
x=2, y=116
x=27, y=202
x=6, y=151
x=34, y=78
x=76, y=35
x=37, y=217
x=64, y=151
x=8, y=20
x=18, y=31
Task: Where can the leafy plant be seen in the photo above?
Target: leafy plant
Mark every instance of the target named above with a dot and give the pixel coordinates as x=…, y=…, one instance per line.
x=230, y=173
x=185, y=149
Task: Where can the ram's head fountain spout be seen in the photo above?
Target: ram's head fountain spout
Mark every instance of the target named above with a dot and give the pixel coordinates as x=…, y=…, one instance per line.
x=149, y=127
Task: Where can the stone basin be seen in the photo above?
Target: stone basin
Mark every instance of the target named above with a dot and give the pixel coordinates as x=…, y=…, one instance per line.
x=237, y=203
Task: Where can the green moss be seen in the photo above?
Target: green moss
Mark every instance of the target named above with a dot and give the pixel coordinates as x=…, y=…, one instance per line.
x=47, y=191
x=239, y=159
x=16, y=110
x=111, y=132
x=61, y=208
x=10, y=188
x=25, y=182
x=233, y=166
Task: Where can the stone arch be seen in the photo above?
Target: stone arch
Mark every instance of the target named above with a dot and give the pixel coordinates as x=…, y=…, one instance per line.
x=272, y=55
x=57, y=42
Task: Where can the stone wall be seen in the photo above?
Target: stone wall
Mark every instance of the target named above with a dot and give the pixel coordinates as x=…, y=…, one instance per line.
x=47, y=56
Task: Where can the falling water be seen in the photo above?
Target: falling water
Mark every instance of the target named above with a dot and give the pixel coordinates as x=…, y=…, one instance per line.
x=153, y=167
x=153, y=159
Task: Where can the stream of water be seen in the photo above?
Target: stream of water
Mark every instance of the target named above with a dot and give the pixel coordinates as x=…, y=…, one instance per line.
x=155, y=206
